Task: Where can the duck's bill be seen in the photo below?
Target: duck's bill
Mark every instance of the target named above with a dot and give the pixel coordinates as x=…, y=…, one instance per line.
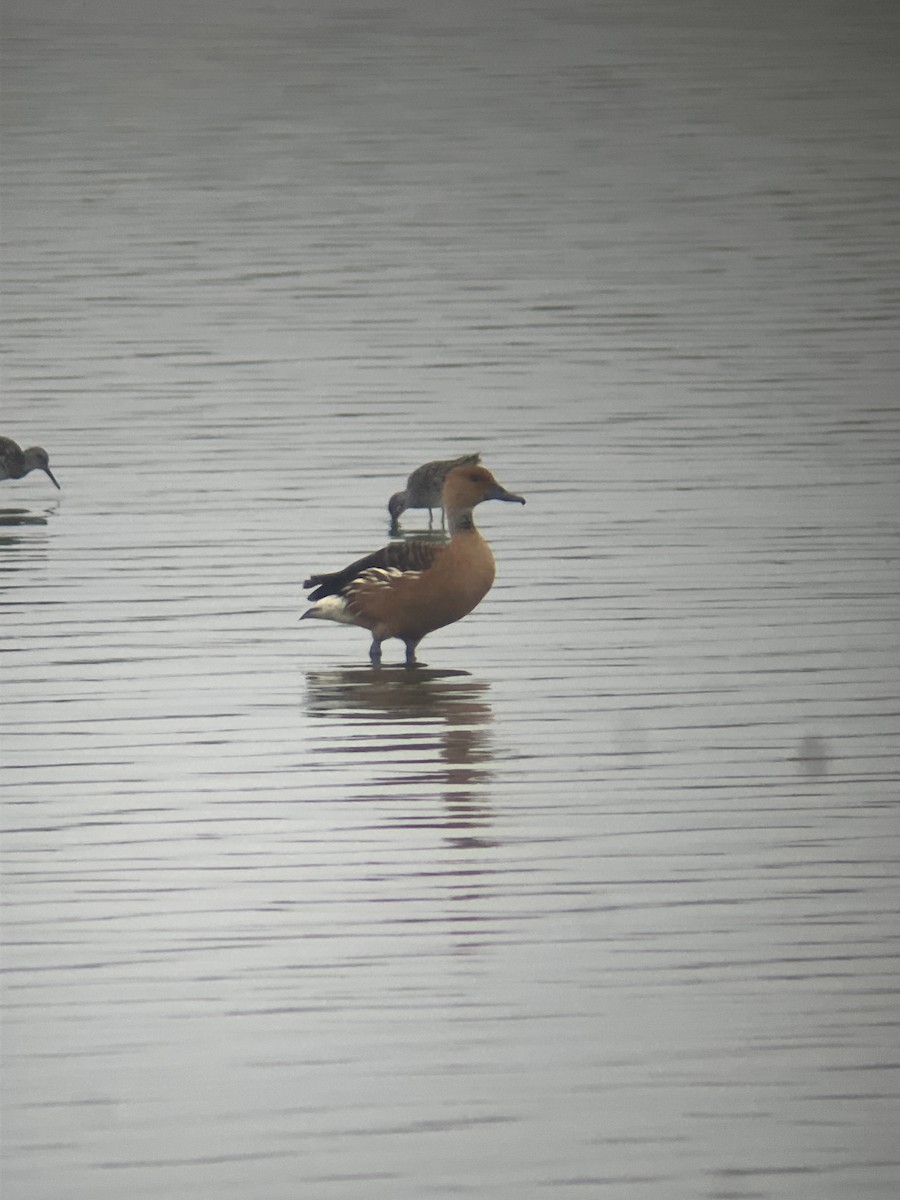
x=500, y=493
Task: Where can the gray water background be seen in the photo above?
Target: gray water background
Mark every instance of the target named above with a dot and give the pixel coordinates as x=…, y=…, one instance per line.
x=612, y=912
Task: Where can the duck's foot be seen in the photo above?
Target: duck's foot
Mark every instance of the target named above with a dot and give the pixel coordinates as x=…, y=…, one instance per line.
x=375, y=653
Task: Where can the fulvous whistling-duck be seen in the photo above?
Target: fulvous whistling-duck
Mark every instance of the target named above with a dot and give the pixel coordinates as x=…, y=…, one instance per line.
x=408, y=589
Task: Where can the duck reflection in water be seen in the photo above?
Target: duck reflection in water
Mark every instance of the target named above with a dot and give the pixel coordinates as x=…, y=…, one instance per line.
x=417, y=734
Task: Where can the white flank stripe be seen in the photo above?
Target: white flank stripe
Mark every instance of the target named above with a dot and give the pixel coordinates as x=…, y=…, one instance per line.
x=331, y=608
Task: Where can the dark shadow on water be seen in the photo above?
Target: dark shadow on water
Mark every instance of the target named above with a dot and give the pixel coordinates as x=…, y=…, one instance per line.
x=416, y=732
x=20, y=516
x=813, y=756
x=23, y=537
x=435, y=534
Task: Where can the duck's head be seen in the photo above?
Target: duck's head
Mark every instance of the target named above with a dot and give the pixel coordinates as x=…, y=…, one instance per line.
x=464, y=487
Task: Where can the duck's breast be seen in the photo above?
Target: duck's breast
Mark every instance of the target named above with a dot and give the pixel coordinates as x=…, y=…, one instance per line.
x=454, y=586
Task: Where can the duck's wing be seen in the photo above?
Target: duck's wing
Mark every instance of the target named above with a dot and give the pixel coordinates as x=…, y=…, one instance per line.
x=396, y=556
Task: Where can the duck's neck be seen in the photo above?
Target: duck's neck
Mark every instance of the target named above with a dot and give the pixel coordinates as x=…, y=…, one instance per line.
x=461, y=520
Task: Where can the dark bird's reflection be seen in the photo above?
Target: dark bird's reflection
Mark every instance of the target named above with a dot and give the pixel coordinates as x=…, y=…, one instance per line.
x=418, y=732
x=23, y=539
x=813, y=756
x=10, y=517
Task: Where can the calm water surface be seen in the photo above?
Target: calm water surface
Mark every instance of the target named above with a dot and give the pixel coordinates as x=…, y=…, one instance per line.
x=601, y=903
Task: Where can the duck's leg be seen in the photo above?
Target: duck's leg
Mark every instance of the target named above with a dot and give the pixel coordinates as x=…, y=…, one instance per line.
x=375, y=652
x=411, y=643
x=430, y=518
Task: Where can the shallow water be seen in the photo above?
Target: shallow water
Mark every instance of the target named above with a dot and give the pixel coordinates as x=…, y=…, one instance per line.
x=601, y=902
